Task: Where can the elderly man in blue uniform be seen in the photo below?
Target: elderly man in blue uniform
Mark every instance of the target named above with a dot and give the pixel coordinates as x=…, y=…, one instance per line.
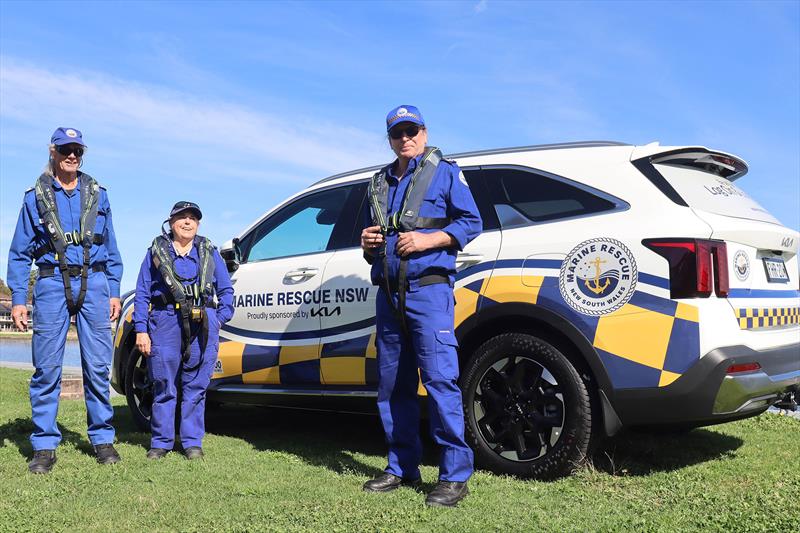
x=422, y=213
x=65, y=227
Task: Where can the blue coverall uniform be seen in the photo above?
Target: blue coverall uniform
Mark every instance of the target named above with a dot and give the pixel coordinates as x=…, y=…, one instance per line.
x=431, y=343
x=51, y=318
x=165, y=368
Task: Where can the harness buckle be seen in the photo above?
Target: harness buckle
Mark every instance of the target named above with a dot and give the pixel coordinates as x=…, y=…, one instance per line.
x=69, y=238
x=197, y=314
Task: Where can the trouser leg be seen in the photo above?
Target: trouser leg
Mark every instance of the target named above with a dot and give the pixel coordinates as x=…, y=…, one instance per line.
x=94, y=336
x=429, y=312
x=163, y=366
x=195, y=383
x=398, y=404
x=50, y=325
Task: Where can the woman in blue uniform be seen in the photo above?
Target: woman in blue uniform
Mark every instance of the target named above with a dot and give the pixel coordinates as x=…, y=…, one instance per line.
x=183, y=295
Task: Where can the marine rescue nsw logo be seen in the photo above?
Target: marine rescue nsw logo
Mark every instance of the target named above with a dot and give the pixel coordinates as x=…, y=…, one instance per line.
x=598, y=276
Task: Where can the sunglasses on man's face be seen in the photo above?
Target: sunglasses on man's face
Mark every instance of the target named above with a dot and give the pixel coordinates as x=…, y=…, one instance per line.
x=408, y=131
x=67, y=149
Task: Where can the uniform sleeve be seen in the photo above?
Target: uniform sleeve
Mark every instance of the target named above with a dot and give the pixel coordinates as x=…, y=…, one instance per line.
x=114, y=260
x=141, y=300
x=224, y=289
x=461, y=209
x=20, y=256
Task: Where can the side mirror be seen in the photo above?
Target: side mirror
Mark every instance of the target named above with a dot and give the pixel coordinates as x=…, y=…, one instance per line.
x=231, y=254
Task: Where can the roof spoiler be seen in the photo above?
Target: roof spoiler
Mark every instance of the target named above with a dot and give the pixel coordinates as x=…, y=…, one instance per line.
x=720, y=164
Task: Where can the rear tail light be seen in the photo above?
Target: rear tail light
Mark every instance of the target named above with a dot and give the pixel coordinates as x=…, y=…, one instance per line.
x=743, y=367
x=696, y=266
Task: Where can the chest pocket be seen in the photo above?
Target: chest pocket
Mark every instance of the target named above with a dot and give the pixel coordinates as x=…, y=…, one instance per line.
x=434, y=204
x=100, y=224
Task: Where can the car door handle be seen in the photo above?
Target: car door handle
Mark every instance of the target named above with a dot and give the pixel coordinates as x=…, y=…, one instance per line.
x=301, y=274
x=463, y=260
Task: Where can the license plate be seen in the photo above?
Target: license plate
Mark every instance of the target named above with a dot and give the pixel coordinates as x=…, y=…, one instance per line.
x=776, y=270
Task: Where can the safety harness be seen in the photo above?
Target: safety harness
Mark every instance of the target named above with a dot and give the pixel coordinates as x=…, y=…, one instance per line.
x=59, y=240
x=405, y=219
x=189, y=300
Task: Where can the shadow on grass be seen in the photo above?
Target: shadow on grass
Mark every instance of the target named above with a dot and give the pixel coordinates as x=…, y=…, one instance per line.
x=18, y=431
x=319, y=438
x=640, y=453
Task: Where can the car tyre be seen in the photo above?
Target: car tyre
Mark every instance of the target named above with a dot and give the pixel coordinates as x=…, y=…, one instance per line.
x=527, y=410
x=138, y=389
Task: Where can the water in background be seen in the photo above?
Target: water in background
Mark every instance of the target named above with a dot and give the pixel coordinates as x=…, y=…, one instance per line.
x=19, y=351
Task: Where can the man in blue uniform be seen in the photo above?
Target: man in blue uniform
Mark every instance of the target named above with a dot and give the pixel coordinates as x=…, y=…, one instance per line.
x=65, y=227
x=422, y=214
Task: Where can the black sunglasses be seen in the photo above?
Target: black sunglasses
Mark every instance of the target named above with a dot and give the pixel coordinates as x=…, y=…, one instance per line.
x=409, y=131
x=67, y=149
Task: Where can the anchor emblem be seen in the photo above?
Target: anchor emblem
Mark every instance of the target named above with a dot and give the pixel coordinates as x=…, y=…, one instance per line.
x=597, y=288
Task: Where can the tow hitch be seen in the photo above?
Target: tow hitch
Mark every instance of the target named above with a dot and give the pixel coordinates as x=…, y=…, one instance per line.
x=789, y=401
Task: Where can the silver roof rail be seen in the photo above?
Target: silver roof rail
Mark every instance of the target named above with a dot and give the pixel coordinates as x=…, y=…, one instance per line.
x=531, y=148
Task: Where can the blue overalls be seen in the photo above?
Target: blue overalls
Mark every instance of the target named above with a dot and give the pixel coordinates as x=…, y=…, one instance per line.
x=165, y=367
x=431, y=343
x=51, y=318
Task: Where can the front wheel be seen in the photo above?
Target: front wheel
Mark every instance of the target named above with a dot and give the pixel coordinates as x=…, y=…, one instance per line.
x=527, y=410
x=138, y=389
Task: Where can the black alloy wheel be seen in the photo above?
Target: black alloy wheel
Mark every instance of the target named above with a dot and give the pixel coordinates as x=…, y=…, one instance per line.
x=138, y=389
x=527, y=409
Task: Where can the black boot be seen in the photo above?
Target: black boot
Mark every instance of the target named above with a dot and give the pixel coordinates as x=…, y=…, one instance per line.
x=157, y=453
x=193, y=452
x=106, y=454
x=447, y=494
x=42, y=462
x=386, y=482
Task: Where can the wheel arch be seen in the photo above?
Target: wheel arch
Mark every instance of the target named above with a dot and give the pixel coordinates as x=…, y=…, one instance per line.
x=518, y=317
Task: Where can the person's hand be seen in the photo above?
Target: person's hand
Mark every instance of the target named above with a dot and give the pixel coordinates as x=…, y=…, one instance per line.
x=143, y=343
x=414, y=241
x=116, y=307
x=371, y=238
x=19, y=314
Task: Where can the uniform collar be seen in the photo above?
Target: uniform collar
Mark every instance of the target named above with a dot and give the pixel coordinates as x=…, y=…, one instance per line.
x=57, y=184
x=412, y=166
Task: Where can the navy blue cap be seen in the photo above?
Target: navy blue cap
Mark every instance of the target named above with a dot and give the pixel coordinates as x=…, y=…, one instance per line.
x=186, y=206
x=66, y=136
x=404, y=113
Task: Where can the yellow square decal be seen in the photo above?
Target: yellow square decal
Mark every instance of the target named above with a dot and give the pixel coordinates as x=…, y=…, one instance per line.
x=296, y=354
x=343, y=370
x=638, y=335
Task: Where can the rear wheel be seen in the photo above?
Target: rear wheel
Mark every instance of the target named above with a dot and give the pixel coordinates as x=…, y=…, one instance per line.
x=138, y=389
x=527, y=409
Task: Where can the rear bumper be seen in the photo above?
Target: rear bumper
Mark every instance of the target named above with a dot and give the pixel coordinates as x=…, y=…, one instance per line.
x=706, y=394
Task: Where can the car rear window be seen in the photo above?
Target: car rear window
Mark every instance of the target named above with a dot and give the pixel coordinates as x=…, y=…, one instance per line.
x=707, y=191
x=540, y=198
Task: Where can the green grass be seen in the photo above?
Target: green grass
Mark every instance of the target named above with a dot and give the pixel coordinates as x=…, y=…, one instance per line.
x=278, y=470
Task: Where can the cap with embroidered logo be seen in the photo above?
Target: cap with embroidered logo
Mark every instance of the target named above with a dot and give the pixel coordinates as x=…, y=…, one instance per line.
x=186, y=206
x=67, y=136
x=404, y=113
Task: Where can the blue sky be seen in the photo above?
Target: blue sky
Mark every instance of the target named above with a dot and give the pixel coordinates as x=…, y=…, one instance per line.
x=238, y=105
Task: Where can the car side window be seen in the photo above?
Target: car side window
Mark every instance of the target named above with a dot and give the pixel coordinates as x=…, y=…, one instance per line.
x=308, y=225
x=482, y=197
x=518, y=195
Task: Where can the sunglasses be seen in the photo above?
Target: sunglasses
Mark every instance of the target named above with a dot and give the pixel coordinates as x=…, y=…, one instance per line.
x=67, y=149
x=409, y=131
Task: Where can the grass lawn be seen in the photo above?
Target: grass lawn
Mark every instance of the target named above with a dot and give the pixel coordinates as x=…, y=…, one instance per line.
x=279, y=470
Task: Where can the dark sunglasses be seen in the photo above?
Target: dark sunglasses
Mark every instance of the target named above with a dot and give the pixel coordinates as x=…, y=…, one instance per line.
x=67, y=149
x=409, y=131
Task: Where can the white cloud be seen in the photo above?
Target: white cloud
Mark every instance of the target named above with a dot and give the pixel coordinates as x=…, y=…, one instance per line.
x=118, y=109
x=481, y=6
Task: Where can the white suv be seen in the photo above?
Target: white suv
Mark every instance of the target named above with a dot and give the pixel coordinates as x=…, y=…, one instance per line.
x=613, y=285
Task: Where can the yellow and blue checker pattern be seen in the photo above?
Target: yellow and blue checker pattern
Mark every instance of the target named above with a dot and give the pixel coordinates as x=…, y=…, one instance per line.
x=767, y=317
x=649, y=342
x=348, y=362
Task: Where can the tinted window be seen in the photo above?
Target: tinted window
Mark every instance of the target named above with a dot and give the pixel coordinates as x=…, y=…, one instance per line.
x=482, y=198
x=538, y=198
x=305, y=226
